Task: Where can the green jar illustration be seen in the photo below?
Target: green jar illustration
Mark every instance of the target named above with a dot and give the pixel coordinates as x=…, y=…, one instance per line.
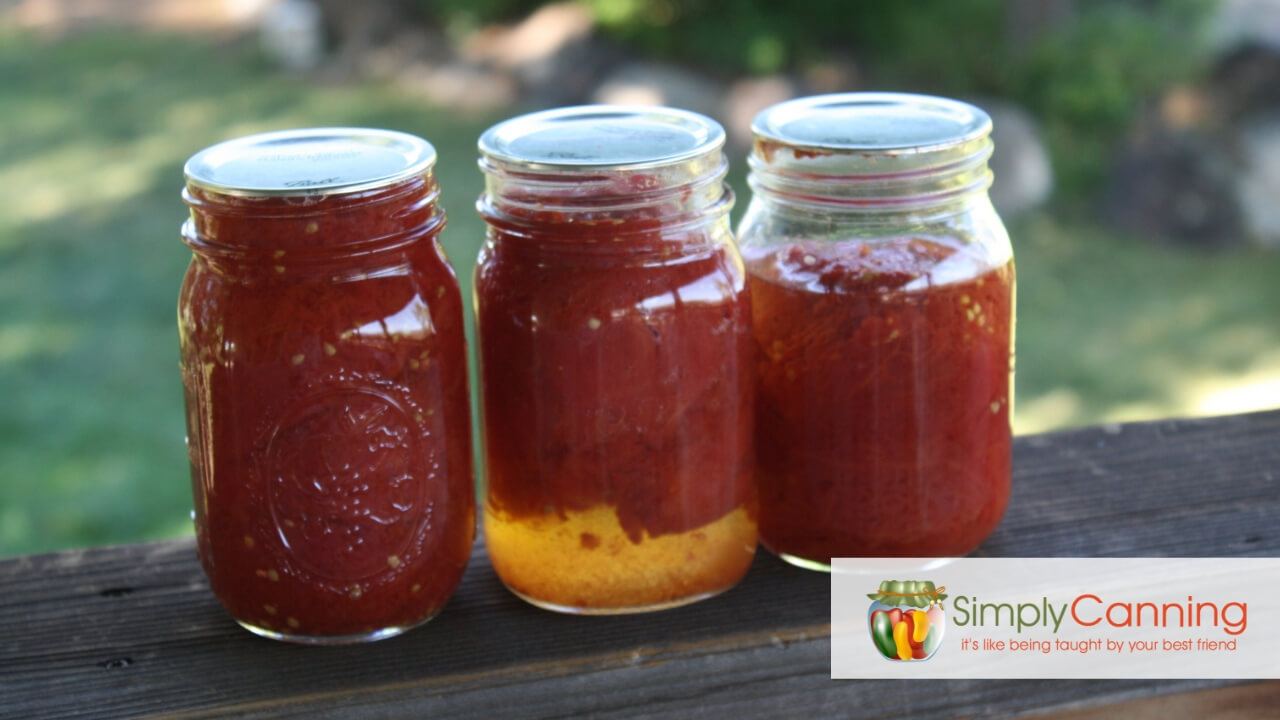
x=907, y=619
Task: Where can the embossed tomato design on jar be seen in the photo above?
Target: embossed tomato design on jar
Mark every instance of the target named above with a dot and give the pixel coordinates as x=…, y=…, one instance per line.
x=324, y=362
x=343, y=496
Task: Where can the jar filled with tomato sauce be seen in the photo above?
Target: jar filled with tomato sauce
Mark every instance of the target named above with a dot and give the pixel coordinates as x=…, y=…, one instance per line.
x=324, y=363
x=615, y=352
x=882, y=285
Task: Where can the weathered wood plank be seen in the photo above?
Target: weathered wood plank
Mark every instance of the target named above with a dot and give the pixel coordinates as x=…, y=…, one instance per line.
x=133, y=631
x=1240, y=702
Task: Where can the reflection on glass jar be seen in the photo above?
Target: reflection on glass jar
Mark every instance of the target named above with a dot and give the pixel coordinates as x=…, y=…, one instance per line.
x=614, y=339
x=324, y=363
x=883, y=303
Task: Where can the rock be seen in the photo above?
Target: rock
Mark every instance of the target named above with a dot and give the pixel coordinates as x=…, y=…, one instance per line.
x=1245, y=22
x=553, y=54
x=292, y=34
x=539, y=37
x=647, y=83
x=1257, y=185
x=1175, y=185
x=571, y=76
x=411, y=46
x=1021, y=165
x=1243, y=81
x=459, y=86
x=359, y=29
x=1204, y=167
x=245, y=12
x=747, y=97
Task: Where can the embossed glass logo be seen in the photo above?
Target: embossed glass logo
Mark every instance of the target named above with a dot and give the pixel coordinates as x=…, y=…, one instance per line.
x=344, y=496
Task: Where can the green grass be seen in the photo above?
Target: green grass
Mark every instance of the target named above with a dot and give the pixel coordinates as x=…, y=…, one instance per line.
x=93, y=133
x=1116, y=329
x=94, y=129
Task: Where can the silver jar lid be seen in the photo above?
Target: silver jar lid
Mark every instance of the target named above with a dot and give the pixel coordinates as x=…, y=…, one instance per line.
x=890, y=123
x=600, y=137
x=311, y=161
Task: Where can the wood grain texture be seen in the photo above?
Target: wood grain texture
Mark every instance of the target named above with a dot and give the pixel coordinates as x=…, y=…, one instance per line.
x=1240, y=702
x=134, y=632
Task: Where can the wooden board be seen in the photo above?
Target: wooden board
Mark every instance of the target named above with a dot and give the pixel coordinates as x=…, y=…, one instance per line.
x=1240, y=702
x=134, y=632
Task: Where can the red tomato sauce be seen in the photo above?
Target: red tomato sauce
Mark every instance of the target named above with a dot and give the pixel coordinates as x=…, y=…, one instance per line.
x=324, y=365
x=883, y=386
x=615, y=356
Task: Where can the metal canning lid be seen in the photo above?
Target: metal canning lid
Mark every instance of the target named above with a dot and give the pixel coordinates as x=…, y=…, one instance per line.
x=601, y=137
x=891, y=123
x=310, y=161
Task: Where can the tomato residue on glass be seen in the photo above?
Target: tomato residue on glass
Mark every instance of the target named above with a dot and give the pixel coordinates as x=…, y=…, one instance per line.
x=324, y=364
x=615, y=354
x=883, y=396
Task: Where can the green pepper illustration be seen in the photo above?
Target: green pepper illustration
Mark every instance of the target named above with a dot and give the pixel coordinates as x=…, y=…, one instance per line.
x=932, y=639
x=882, y=633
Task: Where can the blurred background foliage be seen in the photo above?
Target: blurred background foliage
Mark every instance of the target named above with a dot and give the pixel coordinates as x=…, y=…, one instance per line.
x=1083, y=77
x=97, y=115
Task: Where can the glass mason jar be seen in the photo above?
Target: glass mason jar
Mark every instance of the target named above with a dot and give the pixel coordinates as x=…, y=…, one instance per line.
x=614, y=334
x=324, y=364
x=883, y=302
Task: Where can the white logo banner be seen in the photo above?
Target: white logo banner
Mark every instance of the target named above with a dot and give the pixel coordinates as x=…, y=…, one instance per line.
x=1099, y=618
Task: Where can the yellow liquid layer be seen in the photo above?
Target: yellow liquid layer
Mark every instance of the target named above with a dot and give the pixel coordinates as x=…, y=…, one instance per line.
x=585, y=562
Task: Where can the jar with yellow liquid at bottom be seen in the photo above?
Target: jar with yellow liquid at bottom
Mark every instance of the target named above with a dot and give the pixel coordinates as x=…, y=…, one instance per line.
x=614, y=337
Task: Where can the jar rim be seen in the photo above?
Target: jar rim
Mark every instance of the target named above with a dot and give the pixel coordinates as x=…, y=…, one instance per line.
x=600, y=138
x=892, y=124
x=309, y=161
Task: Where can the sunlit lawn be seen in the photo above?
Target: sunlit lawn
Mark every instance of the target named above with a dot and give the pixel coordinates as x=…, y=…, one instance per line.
x=1114, y=329
x=93, y=133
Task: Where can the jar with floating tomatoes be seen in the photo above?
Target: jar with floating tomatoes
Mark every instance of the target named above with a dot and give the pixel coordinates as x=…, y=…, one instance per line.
x=614, y=337
x=883, y=304
x=324, y=363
